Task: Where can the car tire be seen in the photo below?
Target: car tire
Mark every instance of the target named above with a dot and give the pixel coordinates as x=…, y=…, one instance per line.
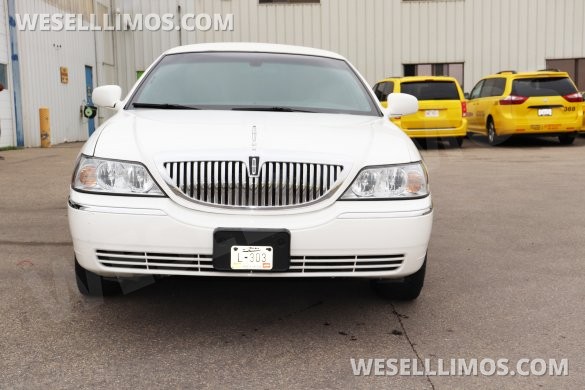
x=456, y=142
x=567, y=139
x=407, y=289
x=492, y=133
x=94, y=285
x=420, y=143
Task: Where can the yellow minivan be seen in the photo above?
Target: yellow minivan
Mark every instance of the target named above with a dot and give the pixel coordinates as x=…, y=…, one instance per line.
x=442, y=106
x=544, y=103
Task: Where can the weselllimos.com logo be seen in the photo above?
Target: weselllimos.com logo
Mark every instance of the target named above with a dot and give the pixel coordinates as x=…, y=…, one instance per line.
x=459, y=367
x=124, y=22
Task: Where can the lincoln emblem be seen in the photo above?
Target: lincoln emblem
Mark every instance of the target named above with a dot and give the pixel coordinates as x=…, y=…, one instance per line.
x=254, y=166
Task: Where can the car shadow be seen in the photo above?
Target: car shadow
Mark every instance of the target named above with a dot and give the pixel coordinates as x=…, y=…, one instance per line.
x=434, y=144
x=525, y=141
x=243, y=306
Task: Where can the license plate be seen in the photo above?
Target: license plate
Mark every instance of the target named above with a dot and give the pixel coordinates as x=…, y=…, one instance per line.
x=432, y=113
x=251, y=257
x=251, y=250
x=545, y=112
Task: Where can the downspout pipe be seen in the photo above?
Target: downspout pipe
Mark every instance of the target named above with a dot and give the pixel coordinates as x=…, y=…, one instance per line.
x=15, y=68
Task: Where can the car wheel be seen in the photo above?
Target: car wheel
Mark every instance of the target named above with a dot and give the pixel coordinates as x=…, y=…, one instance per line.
x=407, y=289
x=420, y=143
x=567, y=139
x=492, y=134
x=456, y=142
x=94, y=285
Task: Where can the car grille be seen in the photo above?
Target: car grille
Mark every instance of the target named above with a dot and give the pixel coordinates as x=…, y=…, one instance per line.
x=155, y=261
x=308, y=264
x=171, y=262
x=228, y=183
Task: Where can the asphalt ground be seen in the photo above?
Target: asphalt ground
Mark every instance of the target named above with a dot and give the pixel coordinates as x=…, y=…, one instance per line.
x=505, y=280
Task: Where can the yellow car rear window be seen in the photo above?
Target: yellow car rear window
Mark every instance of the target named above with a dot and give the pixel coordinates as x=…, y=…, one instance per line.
x=431, y=90
x=539, y=86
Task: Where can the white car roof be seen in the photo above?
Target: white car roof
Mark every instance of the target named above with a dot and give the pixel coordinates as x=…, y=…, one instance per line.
x=253, y=47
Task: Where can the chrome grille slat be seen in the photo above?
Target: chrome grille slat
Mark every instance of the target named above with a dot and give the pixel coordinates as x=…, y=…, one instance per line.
x=353, y=264
x=228, y=183
x=189, y=262
x=154, y=261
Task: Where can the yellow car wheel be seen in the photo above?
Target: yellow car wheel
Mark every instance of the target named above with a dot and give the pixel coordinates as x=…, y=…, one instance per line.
x=492, y=134
x=456, y=142
x=567, y=139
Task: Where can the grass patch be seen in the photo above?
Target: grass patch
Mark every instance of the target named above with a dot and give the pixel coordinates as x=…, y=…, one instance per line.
x=6, y=148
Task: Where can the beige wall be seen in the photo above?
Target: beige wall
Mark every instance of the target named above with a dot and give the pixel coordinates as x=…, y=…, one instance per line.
x=379, y=36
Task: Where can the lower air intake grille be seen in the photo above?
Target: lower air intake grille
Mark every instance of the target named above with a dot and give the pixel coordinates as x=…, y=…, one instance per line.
x=348, y=264
x=155, y=261
x=204, y=263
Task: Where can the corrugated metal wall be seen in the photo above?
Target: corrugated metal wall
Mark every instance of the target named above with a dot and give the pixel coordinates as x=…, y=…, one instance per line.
x=6, y=122
x=379, y=36
x=42, y=54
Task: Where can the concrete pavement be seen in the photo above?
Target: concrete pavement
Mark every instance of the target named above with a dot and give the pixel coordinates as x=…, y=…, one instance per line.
x=505, y=280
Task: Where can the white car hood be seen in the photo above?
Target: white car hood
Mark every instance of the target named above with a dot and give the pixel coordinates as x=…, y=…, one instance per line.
x=154, y=136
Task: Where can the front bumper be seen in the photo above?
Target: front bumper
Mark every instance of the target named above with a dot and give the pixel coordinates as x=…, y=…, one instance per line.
x=148, y=236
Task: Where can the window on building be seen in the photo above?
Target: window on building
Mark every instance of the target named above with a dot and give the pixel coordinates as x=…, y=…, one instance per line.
x=287, y=1
x=575, y=67
x=446, y=69
x=139, y=74
x=3, y=76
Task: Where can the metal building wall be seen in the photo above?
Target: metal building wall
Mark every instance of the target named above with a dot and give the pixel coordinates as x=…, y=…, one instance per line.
x=520, y=34
x=42, y=53
x=379, y=36
x=6, y=121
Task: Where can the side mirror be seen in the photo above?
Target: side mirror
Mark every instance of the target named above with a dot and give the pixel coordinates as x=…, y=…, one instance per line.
x=466, y=95
x=107, y=96
x=400, y=104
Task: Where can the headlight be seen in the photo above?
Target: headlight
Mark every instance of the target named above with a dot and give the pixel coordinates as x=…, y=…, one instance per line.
x=113, y=177
x=390, y=182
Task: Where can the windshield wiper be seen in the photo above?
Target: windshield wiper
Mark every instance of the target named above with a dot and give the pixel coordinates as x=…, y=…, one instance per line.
x=164, y=106
x=275, y=108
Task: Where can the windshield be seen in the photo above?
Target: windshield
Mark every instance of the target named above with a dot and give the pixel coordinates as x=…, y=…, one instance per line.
x=541, y=86
x=249, y=81
x=431, y=90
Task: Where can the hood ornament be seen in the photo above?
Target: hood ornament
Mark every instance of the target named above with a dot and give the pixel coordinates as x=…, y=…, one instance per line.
x=254, y=161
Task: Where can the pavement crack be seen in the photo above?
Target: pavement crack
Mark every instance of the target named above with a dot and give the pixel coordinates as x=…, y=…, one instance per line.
x=399, y=317
x=36, y=243
x=301, y=310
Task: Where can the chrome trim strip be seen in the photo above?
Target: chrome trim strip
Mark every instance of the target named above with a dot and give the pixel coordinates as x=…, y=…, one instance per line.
x=395, y=214
x=115, y=210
